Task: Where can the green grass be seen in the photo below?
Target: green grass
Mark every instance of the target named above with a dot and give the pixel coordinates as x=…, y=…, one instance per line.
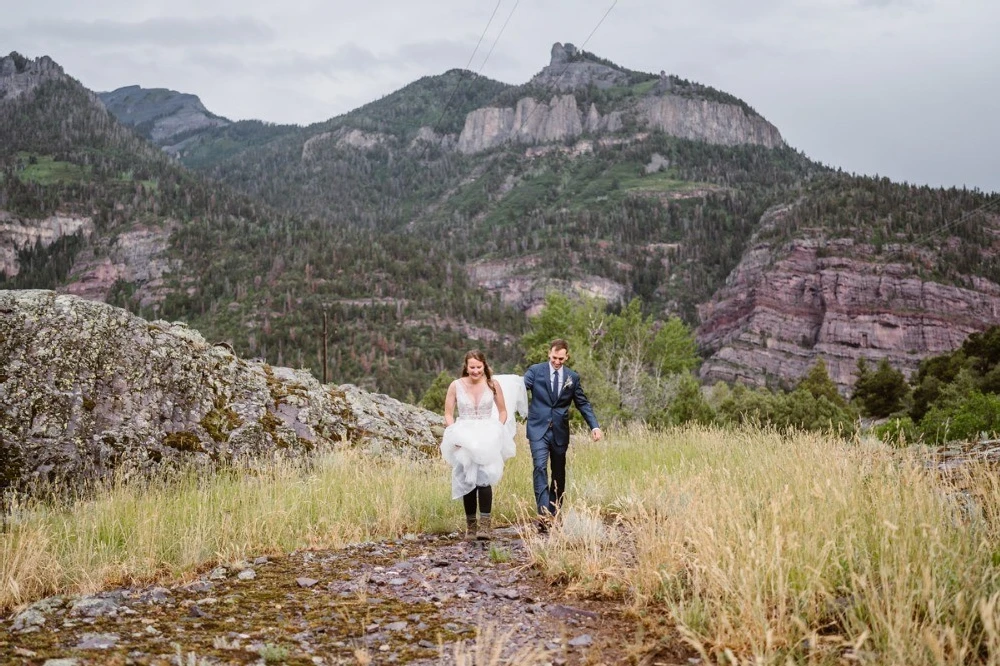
x=661, y=181
x=45, y=170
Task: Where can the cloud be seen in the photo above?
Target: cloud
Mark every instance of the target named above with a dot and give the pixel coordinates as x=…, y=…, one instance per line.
x=164, y=31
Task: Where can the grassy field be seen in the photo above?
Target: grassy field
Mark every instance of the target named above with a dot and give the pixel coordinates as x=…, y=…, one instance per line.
x=758, y=548
x=46, y=170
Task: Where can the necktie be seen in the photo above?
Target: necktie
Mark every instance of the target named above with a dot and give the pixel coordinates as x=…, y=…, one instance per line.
x=555, y=383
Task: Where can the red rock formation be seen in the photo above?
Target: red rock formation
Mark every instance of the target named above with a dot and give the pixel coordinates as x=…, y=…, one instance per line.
x=788, y=304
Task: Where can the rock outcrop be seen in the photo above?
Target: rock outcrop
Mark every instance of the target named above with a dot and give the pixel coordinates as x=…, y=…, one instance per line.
x=787, y=304
x=158, y=113
x=703, y=120
x=17, y=233
x=566, y=72
x=137, y=256
x=524, y=285
x=532, y=122
x=664, y=107
x=88, y=390
x=19, y=76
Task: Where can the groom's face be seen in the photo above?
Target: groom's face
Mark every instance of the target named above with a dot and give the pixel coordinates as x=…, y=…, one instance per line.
x=557, y=357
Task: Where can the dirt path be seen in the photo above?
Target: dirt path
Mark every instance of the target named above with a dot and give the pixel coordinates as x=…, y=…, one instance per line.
x=419, y=600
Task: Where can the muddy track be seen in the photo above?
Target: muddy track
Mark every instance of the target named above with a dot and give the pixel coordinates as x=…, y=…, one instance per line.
x=416, y=600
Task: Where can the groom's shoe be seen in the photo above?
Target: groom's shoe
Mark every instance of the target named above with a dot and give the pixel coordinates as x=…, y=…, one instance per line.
x=544, y=523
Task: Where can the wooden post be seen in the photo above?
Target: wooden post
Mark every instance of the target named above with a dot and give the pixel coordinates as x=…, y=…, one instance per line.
x=325, y=368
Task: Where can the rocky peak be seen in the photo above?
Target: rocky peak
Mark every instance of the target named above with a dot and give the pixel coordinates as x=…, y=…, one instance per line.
x=20, y=75
x=570, y=70
x=562, y=54
x=158, y=113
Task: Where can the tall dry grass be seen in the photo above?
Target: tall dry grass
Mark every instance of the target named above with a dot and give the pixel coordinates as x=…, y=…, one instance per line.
x=769, y=549
x=761, y=548
x=128, y=533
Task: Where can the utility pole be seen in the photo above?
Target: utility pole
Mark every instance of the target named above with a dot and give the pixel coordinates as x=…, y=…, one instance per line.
x=325, y=369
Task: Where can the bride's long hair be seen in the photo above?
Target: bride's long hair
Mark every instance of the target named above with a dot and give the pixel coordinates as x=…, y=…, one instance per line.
x=487, y=372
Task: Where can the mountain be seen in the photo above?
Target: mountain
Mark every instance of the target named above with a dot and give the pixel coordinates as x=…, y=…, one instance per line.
x=89, y=208
x=160, y=115
x=435, y=218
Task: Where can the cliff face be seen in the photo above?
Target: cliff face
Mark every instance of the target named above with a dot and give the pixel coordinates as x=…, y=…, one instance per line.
x=785, y=305
x=537, y=122
x=137, y=256
x=522, y=283
x=17, y=233
x=702, y=120
x=19, y=76
x=87, y=389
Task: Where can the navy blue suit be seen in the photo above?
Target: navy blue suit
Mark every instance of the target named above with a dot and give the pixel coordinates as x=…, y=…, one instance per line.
x=548, y=430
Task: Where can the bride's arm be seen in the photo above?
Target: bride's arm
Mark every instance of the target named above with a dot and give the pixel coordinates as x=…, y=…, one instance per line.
x=449, y=405
x=501, y=404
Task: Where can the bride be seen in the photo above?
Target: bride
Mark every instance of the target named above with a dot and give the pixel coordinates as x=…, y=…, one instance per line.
x=481, y=438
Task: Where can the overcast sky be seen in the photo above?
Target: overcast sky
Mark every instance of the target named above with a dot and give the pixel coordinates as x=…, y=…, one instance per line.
x=901, y=88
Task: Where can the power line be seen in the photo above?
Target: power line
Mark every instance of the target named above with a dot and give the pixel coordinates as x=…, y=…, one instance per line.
x=469, y=64
x=502, y=28
x=962, y=218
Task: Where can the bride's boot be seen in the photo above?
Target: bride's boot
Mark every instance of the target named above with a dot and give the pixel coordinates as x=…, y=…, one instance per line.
x=486, y=533
x=471, y=527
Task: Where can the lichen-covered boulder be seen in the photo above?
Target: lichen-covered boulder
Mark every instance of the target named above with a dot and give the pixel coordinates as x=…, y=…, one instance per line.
x=88, y=389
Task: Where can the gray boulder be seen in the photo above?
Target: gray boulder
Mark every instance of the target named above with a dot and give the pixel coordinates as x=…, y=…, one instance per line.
x=88, y=390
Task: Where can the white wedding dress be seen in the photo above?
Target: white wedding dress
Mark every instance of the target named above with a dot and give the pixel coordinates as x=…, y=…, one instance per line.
x=477, y=444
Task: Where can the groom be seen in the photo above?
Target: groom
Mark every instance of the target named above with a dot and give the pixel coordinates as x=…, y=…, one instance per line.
x=553, y=388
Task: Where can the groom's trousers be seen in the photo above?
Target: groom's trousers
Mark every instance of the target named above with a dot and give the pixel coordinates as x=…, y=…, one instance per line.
x=548, y=496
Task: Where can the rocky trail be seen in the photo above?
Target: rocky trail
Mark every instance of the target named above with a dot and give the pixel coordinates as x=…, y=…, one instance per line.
x=423, y=599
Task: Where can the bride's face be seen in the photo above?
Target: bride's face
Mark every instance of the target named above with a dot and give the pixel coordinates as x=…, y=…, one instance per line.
x=475, y=369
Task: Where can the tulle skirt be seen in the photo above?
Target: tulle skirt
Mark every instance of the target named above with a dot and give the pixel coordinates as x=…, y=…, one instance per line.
x=476, y=449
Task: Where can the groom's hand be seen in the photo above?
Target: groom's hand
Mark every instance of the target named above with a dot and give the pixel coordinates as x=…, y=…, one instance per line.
x=596, y=434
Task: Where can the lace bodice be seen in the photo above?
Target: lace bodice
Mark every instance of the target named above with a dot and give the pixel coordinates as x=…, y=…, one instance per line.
x=468, y=409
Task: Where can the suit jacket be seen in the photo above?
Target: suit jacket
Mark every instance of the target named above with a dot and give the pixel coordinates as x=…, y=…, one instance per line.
x=552, y=411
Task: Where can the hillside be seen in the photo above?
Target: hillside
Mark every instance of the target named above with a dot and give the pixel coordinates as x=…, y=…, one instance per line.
x=160, y=115
x=89, y=208
x=433, y=219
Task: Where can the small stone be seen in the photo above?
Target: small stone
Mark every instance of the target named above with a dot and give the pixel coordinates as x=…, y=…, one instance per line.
x=198, y=586
x=97, y=642
x=426, y=644
x=247, y=574
x=398, y=581
x=384, y=647
x=396, y=626
x=151, y=630
x=94, y=607
x=21, y=652
x=218, y=573
x=156, y=595
x=195, y=611
x=582, y=641
x=27, y=619
x=306, y=582
x=61, y=662
x=260, y=560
